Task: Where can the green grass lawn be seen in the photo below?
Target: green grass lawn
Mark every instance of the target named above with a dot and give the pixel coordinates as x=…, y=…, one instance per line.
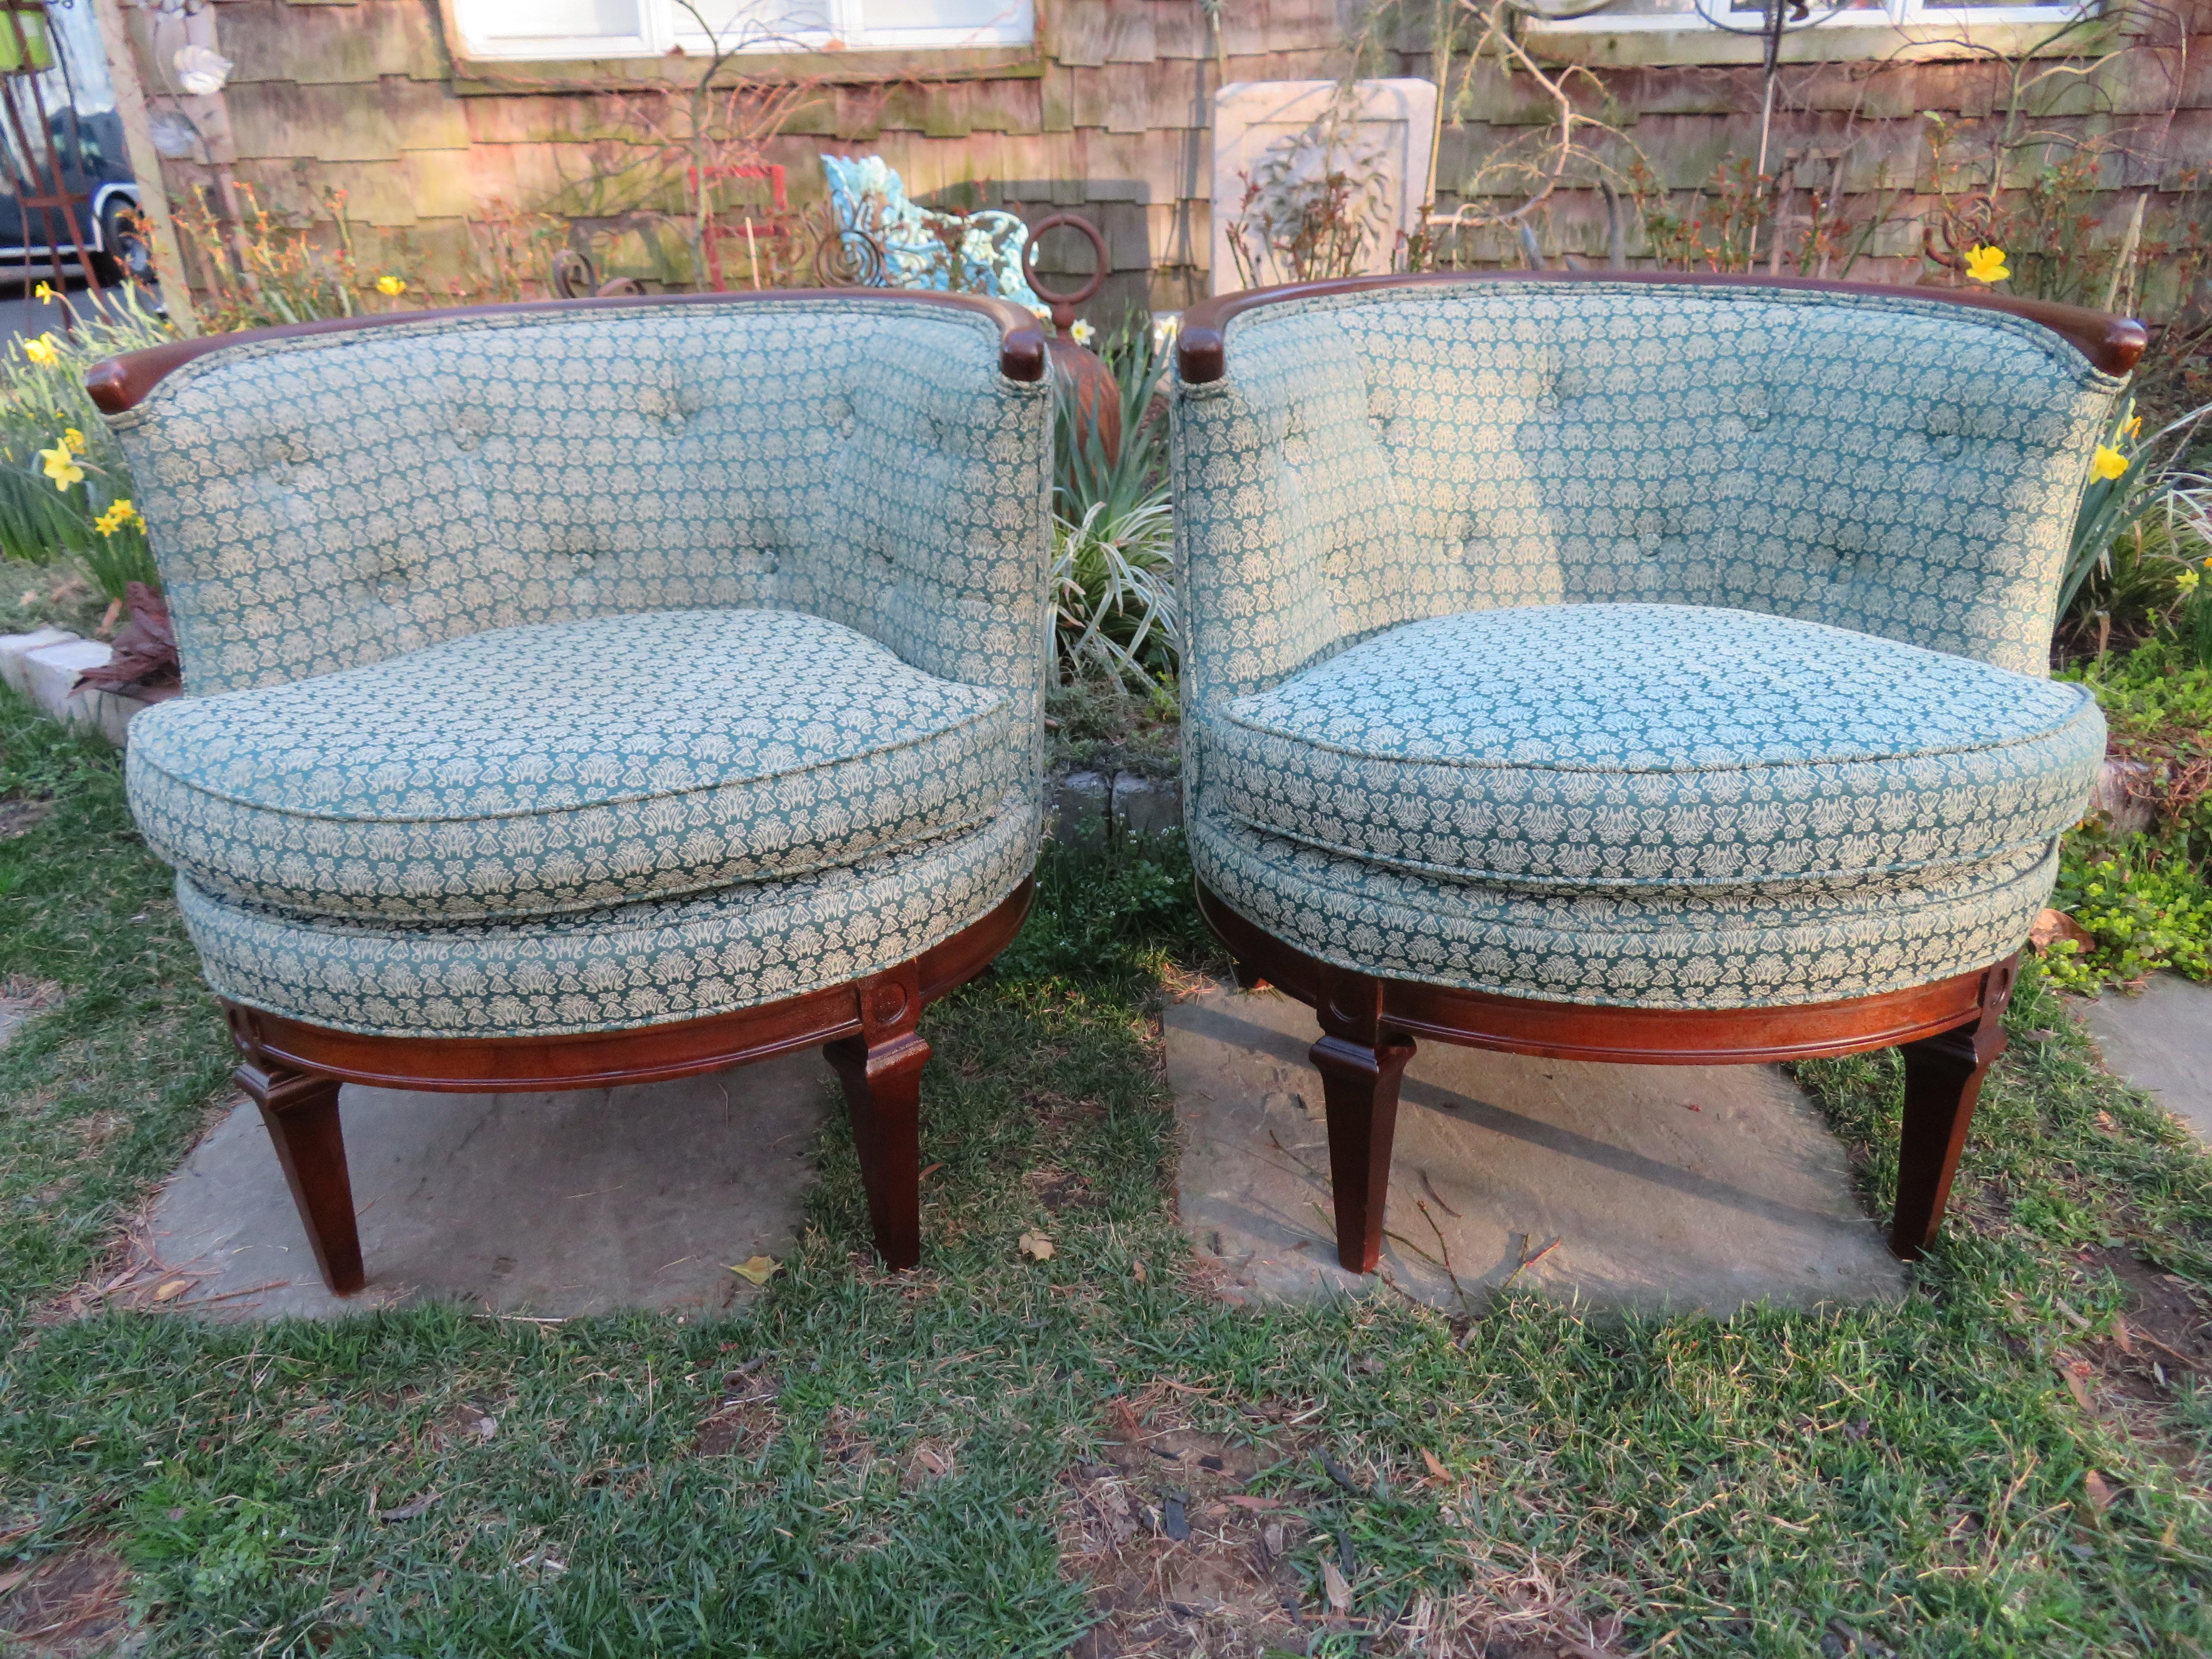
x=984, y=1457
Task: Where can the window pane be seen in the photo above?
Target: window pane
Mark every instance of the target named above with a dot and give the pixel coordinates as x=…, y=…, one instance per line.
x=509, y=24
x=949, y=20
x=761, y=24
x=1741, y=13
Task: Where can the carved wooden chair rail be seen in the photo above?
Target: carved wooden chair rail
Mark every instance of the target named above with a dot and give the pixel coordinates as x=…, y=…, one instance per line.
x=867, y=1030
x=1949, y=1034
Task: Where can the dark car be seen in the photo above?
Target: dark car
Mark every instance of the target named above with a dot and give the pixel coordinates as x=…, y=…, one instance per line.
x=102, y=196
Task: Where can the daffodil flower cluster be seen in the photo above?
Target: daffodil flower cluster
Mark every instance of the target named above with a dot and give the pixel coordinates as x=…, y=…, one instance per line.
x=60, y=461
x=120, y=515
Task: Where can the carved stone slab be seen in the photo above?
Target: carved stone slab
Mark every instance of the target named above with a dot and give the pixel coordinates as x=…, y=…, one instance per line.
x=1248, y=116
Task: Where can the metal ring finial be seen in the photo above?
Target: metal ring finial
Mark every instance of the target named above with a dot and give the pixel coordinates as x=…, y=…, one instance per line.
x=1063, y=305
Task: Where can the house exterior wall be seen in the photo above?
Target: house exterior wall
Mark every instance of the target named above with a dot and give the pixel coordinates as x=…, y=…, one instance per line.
x=1108, y=116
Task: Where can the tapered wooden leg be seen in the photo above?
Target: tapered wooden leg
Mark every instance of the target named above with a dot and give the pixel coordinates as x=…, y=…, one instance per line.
x=881, y=1070
x=1942, y=1084
x=301, y=1111
x=1360, y=1064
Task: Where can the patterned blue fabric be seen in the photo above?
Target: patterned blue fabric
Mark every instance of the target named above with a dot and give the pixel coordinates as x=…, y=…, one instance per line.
x=566, y=670
x=1888, y=465
x=1505, y=663
x=1652, y=747
x=645, y=963
x=319, y=503
x=569, y=766
x=1750, y=946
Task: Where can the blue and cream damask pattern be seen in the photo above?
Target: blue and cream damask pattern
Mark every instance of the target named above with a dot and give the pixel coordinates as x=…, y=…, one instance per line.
x=1675, y=647
x=568, y=766
x=637, y=965
x=572, y=670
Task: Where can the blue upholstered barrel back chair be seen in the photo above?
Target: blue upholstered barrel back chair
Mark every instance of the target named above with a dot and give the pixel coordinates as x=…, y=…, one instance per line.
x=1623, y=670
x=591, y=693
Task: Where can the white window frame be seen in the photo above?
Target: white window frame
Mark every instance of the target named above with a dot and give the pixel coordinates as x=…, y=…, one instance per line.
x=1892, y=16
x=666, y=27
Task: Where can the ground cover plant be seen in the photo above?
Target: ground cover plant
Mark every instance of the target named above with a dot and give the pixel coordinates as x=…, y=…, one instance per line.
x=1102, y=1450
x=2143, y=900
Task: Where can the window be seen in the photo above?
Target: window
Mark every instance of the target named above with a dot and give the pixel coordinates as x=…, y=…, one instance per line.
x=651, y=28
x=1744, y=16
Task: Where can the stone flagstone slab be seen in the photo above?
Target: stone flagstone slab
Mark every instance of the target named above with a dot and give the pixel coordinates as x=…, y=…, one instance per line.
x=1666, y=1188
x=2160, y=1041
x=552, y=1204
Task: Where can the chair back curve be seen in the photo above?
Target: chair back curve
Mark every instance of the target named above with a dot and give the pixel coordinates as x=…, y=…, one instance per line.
x=1352, y=456
x=326, y=497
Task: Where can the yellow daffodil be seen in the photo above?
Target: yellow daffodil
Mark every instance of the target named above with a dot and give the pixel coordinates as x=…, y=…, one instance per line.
x=73, y=439
x=2187, y=581
x=1083, y=331
x=2133, y=428
x=43, y=293
x=120, y=513
x=392, y=287
x=42, y=351
x=2109, y=462
x=1986, y=264
x=61, y=466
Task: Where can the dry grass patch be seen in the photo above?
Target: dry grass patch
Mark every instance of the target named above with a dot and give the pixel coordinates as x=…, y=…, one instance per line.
x=73, y=1605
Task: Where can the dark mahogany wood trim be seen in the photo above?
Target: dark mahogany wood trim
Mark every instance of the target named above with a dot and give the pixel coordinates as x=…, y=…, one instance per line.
x=594, y=1059
x=868, y=1029
x=2114, y=344
x=1949, y=1034
x=1618, y=1036
x=123, y=383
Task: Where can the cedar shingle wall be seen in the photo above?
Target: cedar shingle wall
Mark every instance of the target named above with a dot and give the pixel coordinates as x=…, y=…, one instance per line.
x=359, y=96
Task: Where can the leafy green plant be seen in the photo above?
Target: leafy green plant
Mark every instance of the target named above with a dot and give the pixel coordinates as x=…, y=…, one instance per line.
x=63, y=488
x=1113, y=579
x=2145, y=900
x=2145, y=905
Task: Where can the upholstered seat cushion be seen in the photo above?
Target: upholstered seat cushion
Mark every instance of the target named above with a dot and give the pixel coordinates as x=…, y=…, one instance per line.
x=568, y=767
x=646, y=963
x=1653, y=749
x=1751, y=946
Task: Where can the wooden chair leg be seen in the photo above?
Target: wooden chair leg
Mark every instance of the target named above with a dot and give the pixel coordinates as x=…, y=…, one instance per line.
x=881, y=1070
x=301, y=1111
x=1360, y=1065
x=1943, y=1084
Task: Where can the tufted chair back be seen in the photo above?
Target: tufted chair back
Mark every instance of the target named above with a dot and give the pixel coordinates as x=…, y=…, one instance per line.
x=1898, y=466
x=325, y=500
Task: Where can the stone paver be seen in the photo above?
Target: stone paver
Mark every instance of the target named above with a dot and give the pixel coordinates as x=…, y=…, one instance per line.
x=1663, y=1186
x=543, y=1204
x=2160, y=1041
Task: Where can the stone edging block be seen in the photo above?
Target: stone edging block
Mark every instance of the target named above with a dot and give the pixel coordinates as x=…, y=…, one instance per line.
x=44, y=665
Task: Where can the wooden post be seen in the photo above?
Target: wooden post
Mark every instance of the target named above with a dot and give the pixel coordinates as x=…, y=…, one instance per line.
x=881, y=1070
x=1942, y=1084
x=146, y=164
x=1360, y=1064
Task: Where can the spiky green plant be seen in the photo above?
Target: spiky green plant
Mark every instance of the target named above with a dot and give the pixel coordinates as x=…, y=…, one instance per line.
x=1113, y=536
x=2156, y=491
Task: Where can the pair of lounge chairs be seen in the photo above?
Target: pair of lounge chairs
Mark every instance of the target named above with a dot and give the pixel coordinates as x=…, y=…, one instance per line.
x=609, y=690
